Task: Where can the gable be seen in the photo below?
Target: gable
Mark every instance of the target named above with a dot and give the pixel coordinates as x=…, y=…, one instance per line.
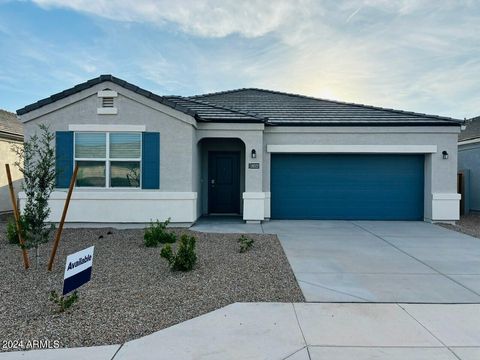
x=85, y=107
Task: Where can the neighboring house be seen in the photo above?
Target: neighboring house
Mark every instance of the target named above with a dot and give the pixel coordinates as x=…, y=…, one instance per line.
x=469, y=163
x=259, y=153
x=11, y=133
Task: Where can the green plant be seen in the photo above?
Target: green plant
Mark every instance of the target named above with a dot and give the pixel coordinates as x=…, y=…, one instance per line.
x=63, y=302
x=37, y=164
x=167, y=253
x=245, y=243
x=185, y=258
x=12, y=233
x=156, y=234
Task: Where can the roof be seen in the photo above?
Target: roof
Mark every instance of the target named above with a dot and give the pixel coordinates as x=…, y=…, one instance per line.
x=292, y=109
x=213, y=112
x=10, y=126
x=265, y=106
x=472, y=130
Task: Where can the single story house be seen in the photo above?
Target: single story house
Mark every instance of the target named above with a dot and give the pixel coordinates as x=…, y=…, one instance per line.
x=11, y=133
x=256, y=153
x=469, y=164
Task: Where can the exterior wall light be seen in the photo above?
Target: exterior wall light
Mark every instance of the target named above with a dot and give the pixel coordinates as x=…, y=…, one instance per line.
x=254, y=154
x=445, y=154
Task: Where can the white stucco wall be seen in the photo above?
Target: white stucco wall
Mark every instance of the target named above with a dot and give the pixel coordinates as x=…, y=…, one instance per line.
x=7, y=156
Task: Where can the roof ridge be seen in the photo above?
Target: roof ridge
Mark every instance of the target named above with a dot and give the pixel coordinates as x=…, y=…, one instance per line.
x=337, y=102
x=222, y=92
x=248, y=113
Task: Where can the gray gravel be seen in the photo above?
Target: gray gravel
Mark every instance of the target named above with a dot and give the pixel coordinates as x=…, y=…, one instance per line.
x=468, y=224
x=132, y=292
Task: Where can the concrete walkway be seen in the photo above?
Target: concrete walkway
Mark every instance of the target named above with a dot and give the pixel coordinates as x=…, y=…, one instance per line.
x=373, y=261
x=305, y=331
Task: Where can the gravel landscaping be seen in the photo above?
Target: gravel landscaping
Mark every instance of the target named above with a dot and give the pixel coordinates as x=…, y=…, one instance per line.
x=468, y=224
x=132, y=292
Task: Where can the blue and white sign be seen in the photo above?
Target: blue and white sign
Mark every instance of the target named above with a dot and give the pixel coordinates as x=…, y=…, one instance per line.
x=78, y=269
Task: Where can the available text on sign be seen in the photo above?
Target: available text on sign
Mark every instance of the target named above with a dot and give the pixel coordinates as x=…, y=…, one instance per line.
x=78, y=269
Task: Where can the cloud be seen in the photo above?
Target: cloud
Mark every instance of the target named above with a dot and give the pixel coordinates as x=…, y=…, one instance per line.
x=211, y=18
x=415, y=55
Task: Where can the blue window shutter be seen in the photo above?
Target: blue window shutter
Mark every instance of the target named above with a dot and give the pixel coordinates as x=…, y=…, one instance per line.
x=63, y=158
x=150, y=160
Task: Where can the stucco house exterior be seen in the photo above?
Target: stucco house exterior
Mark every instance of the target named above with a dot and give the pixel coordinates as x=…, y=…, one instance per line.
x=257, y=153
x=11, y=133
x=469, y=163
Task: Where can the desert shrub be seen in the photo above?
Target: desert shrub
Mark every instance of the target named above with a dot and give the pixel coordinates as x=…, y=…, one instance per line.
x=12, y=233
x=63, y=302
x=245, y=243
x=185, y=258
x=167, y=254
x=157, y=233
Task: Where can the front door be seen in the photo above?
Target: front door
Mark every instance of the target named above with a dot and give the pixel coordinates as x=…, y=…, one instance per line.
x=224, y=182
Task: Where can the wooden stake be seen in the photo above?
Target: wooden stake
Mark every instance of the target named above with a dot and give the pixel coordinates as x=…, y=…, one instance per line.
x=62, y=220
x=16, y=214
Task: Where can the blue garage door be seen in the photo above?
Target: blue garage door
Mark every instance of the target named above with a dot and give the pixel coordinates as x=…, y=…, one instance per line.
x=351, y=187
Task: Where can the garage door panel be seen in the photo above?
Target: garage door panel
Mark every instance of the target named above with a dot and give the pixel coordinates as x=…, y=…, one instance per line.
x=339, y=186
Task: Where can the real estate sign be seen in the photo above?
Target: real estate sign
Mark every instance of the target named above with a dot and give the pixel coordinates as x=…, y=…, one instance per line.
x=78, y=269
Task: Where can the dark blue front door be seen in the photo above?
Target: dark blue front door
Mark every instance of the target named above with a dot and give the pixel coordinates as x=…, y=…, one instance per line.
x=354, y=187
x=224, y=182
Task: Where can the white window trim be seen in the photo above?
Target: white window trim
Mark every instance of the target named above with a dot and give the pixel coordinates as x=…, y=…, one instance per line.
x=352, y=149
x=106, y=128
x=107, y=161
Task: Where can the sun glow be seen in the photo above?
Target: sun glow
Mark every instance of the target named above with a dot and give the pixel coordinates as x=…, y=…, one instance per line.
x=325, y=93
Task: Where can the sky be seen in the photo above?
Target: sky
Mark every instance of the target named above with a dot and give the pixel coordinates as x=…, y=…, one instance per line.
x=417, y=55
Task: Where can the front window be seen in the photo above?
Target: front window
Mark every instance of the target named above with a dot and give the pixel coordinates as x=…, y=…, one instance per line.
x=111, y=160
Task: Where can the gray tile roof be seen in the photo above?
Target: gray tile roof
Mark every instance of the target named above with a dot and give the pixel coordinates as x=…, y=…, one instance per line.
x=291, y=109
x=212, y=112
x=472, y=130
x=265, y=106
x=10, y=126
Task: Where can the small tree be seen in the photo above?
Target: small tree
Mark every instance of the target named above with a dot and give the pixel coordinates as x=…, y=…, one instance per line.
x=37, y=164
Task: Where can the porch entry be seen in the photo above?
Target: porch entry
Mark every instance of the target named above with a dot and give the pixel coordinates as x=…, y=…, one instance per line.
x=224, y=182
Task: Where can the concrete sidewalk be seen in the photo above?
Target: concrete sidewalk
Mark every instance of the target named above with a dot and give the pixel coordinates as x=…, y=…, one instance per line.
x=303, y=331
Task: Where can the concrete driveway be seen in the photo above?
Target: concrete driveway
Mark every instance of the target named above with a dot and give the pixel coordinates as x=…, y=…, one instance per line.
x=372, y=261
x=380, y=261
